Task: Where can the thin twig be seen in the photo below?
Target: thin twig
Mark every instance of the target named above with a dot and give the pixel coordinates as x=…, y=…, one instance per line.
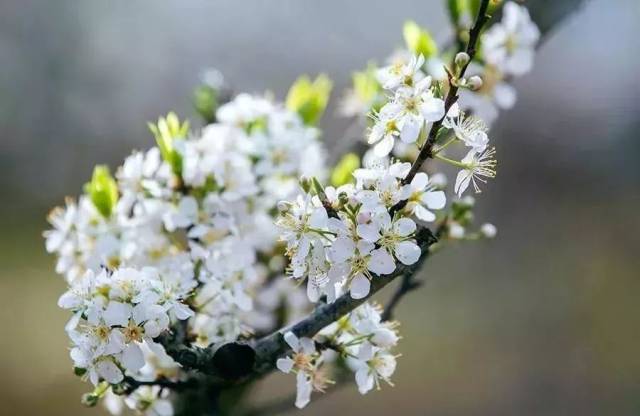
x=133, y=384
x=408, y=282
x=452, y=95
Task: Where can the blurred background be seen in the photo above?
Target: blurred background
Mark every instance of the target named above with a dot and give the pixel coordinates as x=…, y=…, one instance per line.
x=544, y=320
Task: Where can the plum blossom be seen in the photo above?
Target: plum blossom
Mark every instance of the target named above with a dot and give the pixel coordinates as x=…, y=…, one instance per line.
x=226, y=232
x=424, y=198
x=401, y=72
x=413, y=104
x=510, y=44
x=375, y=364
x=472, y=131
x=305, y=363
x=477, y=166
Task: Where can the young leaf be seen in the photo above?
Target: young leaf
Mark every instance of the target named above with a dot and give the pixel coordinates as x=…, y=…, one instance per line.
x=343, y=171
x=418, y=40
x=166, y=132
x=102, y=190
x=309, y=99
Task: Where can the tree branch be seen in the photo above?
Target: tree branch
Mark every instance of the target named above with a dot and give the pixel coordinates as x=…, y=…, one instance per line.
x=273, y=346
x=132, y=384
x=237, y=362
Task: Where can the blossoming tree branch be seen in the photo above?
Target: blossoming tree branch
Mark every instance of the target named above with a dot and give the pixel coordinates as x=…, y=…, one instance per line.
x=228, y=251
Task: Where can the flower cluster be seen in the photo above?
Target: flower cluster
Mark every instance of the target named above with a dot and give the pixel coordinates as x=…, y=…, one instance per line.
x=508, y=52
x=413, y=103
x=508, y=49
x=209, y=233
x=360, y=338
x=183, y=231
x=115, y=314
x=361, y=240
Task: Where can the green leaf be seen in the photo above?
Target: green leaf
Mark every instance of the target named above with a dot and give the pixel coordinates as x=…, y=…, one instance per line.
x=418, y=40
x=102, y=190
x=309, y=99
x=343, y=172
x=366, y=85
x=166, y=132
x=457, y=8
x=473, y=6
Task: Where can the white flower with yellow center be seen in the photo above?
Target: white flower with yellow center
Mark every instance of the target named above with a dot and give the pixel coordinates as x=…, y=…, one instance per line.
x=424, y=198
x=510, y=44
x=401, y=72
x=375, y=364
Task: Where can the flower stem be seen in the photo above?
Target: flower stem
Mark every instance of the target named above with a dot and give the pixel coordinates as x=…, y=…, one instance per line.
x=451, y=161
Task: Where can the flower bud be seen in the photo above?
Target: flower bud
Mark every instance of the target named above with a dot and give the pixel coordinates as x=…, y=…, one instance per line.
x=343, y=198
x=119, y=389
x=89, y=399
x=461, y=59
x=283, y=206
x=468, y=201
x=488, y=230
x=102, y=190
x=305, y=184
x=205, y=101
x=474, y=83
x=456, y=231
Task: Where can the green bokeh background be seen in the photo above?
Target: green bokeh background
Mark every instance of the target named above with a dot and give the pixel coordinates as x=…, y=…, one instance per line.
x=544, y=320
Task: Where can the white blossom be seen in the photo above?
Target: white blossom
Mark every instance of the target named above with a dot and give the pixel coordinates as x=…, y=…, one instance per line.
x=510, y=44
x=375, y=364
x=424, y=198
x=477, y=166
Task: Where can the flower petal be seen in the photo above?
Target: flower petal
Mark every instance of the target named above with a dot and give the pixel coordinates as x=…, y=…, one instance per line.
x=423, y=214
x=117, y=313
x=303, y=390
x=364, y=380
x=434, y=199
x=293, y=341
x=284, y=364
x=407, y=252
x=360, y=286
x=404, y=227
x=341, y=249
x=410, y=129
x=109, y=371
x=432, y=109
x=462, y=182
x=369, y=232
x=132, y=358
x=419, y=182
x=381, y=262
x=384, y=147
